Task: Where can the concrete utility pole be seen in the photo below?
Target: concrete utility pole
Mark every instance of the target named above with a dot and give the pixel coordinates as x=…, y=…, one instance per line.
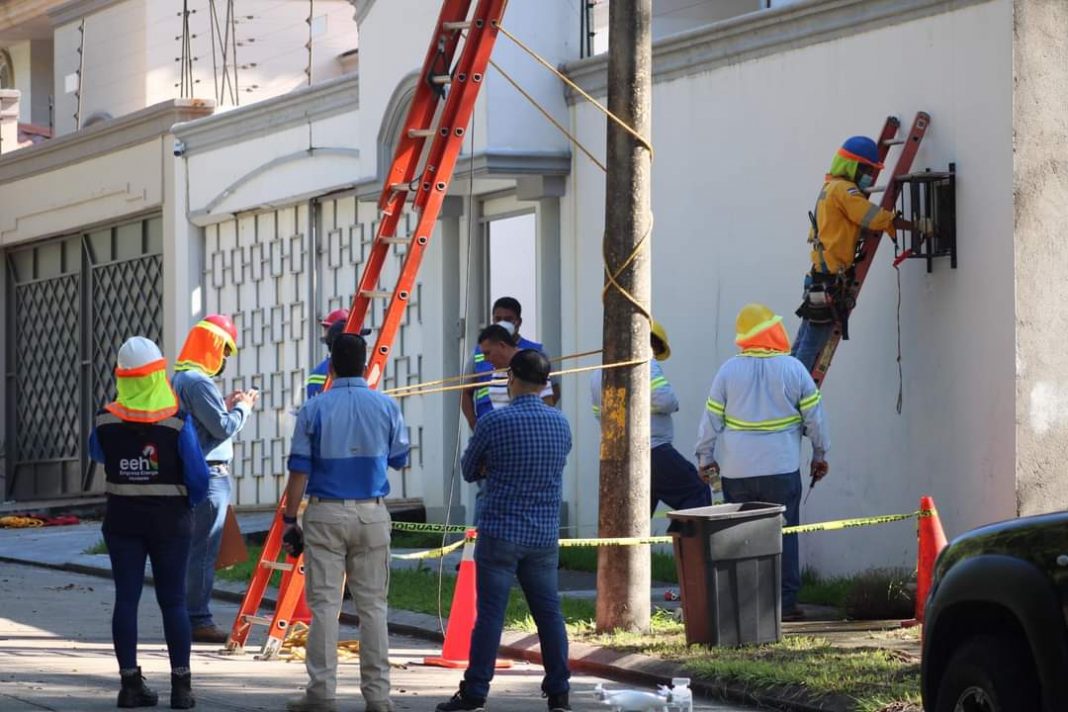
x=623, y=577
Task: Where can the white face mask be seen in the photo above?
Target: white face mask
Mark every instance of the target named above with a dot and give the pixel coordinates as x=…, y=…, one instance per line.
x=509, y=326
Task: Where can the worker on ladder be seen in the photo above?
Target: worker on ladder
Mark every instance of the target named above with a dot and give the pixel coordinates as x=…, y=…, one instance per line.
x=843, y=213
x=317, y=378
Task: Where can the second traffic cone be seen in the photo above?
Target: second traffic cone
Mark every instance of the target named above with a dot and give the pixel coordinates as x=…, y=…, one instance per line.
x=930, y=542
x=457, y=646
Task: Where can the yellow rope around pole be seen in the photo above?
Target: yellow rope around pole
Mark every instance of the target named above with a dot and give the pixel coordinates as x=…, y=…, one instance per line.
x=547, y=115
x=646, y=143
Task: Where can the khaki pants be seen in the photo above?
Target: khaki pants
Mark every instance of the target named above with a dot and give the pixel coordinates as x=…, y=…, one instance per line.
x=350, y=538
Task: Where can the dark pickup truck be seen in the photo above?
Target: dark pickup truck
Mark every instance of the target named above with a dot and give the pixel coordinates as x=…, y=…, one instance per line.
x=995, y=637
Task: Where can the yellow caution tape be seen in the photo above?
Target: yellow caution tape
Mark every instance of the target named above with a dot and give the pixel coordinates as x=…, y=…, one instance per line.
x=850, y=523
x=432, y=553
x=639, y=541
x=430, y=528
x=618, y=541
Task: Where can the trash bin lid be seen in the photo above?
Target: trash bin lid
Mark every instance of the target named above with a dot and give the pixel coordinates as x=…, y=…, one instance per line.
x=736, y=510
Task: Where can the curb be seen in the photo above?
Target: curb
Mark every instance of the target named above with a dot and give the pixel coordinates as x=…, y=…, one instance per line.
x=615, y=665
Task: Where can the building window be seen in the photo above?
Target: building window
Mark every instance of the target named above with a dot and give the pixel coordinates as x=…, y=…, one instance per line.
x=7, y=71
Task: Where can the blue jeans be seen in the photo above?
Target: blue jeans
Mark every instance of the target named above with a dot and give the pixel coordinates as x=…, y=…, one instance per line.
x=168, y=552
x=208, y=519
x=498, y=563
x=810, y=340
x=675, y=481
x=777, y=489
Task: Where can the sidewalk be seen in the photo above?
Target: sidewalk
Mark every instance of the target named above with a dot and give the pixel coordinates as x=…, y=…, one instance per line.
x=62, y=548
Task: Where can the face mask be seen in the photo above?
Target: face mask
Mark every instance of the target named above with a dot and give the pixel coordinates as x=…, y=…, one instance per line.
x=509, y=326
x=865, y=181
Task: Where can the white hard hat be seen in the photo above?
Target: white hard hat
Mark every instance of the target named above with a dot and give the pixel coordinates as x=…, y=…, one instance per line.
x=137, y=352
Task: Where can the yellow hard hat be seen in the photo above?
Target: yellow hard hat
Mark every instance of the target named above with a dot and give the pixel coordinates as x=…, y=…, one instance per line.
x=752, y=319
x=657, y=330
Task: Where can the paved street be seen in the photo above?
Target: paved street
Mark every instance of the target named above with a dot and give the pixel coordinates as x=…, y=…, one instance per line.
x=55, y=654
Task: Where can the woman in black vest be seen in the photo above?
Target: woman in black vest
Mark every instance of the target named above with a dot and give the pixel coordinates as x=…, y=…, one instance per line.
x=155, y=474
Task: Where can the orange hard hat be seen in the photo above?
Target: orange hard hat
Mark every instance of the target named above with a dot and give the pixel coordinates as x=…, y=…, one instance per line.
x=227, y=325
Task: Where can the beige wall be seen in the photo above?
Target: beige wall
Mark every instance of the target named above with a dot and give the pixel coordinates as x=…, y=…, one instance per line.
x=32, y=60
x=1040, y=184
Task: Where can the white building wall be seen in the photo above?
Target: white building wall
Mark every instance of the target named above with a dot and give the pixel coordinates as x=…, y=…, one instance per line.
x=740, y=154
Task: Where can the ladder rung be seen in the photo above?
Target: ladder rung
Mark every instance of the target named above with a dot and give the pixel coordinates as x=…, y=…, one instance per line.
x=893, y=142
x=440, y=78
x=375, y=293
x=421, y=133
x=876, y=189
x=396, y=240
x=277, y=565
x=258, y=620
x=453, y=26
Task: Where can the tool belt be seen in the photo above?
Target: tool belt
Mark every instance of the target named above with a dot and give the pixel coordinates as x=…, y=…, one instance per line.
x=827, y=299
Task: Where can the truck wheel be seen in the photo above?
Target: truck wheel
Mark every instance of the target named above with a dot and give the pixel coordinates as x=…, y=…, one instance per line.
x=990, y=674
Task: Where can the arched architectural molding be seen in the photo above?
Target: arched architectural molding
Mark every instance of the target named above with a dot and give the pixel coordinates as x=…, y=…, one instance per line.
x=393, y=117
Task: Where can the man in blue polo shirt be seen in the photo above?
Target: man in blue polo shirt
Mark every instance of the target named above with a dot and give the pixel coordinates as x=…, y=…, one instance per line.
x=343, y=442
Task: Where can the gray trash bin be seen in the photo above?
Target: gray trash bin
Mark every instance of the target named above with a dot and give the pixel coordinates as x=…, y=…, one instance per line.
x=728, y=558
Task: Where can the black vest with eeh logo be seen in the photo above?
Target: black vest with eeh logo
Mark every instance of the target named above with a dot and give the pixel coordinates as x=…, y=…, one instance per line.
x=141, y=459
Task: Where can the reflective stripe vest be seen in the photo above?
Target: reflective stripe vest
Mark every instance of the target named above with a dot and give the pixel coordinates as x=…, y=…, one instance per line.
x=317, y=378
x=142, y=459
x=483, y=404
x=842, y=213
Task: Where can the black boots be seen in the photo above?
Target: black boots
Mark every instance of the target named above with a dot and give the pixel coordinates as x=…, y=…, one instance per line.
x=182, y=691
x=134, y=692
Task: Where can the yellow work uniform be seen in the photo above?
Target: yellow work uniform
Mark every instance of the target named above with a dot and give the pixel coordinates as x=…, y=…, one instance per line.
x=842, y=213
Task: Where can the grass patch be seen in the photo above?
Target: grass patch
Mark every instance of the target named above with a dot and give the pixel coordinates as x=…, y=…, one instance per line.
x=873, y=678
x=417, y=590
x=98, y=548
x=819, y=591
x=881, y=594
x=585, y=559
x=243, y=572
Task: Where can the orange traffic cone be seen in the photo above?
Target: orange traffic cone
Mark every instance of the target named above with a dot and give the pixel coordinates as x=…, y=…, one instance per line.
x=931, y=541
x=457, y=645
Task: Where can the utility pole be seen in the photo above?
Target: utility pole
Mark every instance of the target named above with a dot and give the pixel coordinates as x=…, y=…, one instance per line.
x=623, y=576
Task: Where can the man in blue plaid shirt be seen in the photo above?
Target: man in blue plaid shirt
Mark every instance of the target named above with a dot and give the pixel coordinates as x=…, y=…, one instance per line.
x=520, y=452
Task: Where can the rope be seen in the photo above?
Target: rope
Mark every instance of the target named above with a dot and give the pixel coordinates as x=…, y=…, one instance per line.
x=578, y=90
x=547, y=115
x=612, y=278
x=900, y=372
x=15, y=522
x=480, y=384
x=399, y=391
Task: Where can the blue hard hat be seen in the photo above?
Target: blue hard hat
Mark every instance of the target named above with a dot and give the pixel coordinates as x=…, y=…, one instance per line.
x=861, y=147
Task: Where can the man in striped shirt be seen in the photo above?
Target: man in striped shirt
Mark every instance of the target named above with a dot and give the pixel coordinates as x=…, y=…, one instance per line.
x=762, y=401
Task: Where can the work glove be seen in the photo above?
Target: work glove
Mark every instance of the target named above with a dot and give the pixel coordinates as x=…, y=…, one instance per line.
x=819, y=470
x=293, y=540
